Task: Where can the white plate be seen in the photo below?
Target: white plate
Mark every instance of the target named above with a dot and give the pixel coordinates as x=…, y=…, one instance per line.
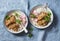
x=42, y=27
x=19, y=12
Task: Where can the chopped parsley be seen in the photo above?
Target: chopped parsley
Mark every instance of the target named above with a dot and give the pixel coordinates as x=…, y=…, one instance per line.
x=18, y=21
x=30, y=29
x=47, y=18
x=30, y=35
x=7, y=17
x=49, y=14
x=32, y=16
x=30, y=32
x=16, y=14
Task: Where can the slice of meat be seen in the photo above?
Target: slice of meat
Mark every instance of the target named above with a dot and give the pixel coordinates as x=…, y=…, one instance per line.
x=11, y=20
x=7, y=22
x=14, y=27
x=41, y=22
x=42, y=15
x=45, y=23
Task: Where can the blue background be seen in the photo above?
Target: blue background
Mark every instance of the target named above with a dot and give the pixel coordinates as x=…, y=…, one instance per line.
x=52, y=33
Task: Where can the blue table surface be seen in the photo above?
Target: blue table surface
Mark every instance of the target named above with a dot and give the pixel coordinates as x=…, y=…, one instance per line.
x=52, y=33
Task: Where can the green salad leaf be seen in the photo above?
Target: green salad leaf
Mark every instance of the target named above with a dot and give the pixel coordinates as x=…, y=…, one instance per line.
x=16, y=14
x=18, y=21
x=30, y=29
x=49, y=14
x=7, y=17
x=30, y=35
x=32, y=16
x=30, y=32
x=47, y=18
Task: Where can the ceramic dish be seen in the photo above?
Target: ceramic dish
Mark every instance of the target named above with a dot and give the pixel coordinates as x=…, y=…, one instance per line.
x=16, y=21
x=41, y=16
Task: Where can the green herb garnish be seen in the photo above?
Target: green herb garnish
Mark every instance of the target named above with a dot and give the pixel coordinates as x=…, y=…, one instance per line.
x=30, y=35
x=30, y=32
x=18, y=21
x=30, y=29
x=16, y=14
x=7, y=17
x=47, y=18
x=32, y=16
x=49, y=14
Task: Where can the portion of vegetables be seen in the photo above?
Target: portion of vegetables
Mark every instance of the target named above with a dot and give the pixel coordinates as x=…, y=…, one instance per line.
x=30, y=32
x=49, y=14
x=7, y=17
x=16, y=14
x=18, y=21
x=47, y=18
x=32, y=16
x=30, y=35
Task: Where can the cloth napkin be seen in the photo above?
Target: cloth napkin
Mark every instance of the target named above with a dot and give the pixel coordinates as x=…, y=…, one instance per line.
x=52, y=33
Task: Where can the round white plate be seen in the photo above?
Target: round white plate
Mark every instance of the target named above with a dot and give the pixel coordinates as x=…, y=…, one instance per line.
x=19, y=12
x=42, y=27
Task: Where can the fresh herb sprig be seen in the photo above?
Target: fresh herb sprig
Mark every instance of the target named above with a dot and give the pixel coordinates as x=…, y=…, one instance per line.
x=7, y=17
x=30, y=35
x=16, y=14
x=18, y=21
x=30, y=29
x=30, y=32
x=49, y=14
x=47, y=18
x=32, y=16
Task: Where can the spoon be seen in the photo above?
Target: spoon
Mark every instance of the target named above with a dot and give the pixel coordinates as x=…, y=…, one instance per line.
x=45, y=6
x=25, y=30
